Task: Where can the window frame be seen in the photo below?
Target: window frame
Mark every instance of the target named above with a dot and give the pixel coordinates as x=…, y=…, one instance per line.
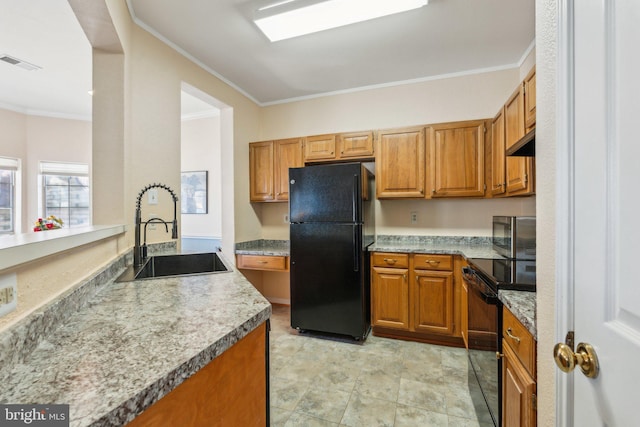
x=13, y=166
x=66, y=171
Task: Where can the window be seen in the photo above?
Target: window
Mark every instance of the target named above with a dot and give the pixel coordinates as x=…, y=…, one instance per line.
x=8, y=185
x=65, y=188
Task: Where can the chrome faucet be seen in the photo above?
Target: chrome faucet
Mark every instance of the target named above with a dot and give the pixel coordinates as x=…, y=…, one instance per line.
x=140, y=251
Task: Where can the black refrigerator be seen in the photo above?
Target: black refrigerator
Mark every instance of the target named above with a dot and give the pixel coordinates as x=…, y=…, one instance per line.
x=332, y=223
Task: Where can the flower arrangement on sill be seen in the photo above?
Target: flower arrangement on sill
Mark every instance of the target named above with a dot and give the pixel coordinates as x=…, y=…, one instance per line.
x=50, y=223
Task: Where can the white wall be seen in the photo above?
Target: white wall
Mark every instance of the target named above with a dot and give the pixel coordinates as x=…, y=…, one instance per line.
x=33, y=139
x=475, y=96
x=546, y=128
x=200, y=142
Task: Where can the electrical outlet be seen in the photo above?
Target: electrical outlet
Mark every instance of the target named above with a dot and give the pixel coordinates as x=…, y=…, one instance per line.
x=153, y=196
x=414, y=217
x=8, y=293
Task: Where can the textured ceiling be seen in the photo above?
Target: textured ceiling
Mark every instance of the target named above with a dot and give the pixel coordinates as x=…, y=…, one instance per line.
x=447, y=37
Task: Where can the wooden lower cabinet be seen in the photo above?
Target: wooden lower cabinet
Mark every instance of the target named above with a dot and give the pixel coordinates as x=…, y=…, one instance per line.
x=390, y=307
x=518, y=374
x=433, y=302
x=518, y=393
x=262, y=262
x=416, y=297
x=230, y=391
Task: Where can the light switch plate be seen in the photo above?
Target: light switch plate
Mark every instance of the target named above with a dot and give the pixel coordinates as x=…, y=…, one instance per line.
x=9, y=292
x=153, y=196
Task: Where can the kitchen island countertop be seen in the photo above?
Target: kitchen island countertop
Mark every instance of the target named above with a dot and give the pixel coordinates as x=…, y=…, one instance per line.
x=132, y=343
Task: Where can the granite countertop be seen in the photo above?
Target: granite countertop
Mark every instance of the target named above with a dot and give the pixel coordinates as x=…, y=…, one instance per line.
x=131, y=344
x=468, y=247
x=521, y=303
x=523, y=306
x=263, y=247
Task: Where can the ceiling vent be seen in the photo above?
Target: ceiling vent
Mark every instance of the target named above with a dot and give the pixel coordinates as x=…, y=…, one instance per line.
x=18, y=62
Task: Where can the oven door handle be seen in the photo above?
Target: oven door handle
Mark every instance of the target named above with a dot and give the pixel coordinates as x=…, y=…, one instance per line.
x=471, y=277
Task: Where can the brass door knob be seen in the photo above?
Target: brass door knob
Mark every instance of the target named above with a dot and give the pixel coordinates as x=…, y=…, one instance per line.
x=585, y=357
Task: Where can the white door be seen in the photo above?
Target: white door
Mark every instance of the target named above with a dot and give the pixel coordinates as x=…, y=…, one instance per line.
x=606, y=215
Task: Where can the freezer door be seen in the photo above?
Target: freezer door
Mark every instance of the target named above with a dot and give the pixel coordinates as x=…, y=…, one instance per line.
x=325, y=193
x=329, y=279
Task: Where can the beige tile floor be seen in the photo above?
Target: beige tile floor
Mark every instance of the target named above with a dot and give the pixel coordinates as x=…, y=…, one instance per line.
x=382, y=382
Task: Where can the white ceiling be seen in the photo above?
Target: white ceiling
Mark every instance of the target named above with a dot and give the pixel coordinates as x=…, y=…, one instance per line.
x=447, y=37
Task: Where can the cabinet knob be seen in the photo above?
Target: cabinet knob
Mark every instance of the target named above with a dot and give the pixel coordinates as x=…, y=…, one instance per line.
x=432, y=262
x=390, y=260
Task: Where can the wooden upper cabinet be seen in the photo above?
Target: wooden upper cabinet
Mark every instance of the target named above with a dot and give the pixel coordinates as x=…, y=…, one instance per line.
x=519, y=170
x=400, y=163
x=320, y=147
x=456, y=159
x=355, y=145
x=269, y=164
x=335, y=147
x=498, y=183
x=514, y=117
x=530, y=100
x=288, y=154
x=261, y=168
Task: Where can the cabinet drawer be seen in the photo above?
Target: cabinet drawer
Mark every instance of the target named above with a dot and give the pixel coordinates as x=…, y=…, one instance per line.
x=433, y=262
x=520, y=340
x=263, y=262
x=389, y=259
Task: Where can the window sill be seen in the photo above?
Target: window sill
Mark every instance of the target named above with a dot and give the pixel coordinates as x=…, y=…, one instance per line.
x=20, y=248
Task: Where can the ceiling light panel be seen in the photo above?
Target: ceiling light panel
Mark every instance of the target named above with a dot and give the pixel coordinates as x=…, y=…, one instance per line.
x=288, y=19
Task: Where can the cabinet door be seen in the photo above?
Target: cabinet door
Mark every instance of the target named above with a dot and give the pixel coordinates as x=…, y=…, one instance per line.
x=320, y=147
x=498, y=158
x=400, y=163
x=519, y=170
x=433, y=302
x=356, y=145
x=390, y=298
x=288, y=154
x=520, y=180
x=514, y=117
x=518, y=392
x=261, y=171
x=456, y=159
x=530, y=100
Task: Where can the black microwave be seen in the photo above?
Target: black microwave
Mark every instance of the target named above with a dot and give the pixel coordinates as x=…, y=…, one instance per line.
x=514, y=237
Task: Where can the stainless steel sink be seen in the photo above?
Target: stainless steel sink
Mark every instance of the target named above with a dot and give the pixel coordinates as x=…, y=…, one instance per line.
x=175, y=265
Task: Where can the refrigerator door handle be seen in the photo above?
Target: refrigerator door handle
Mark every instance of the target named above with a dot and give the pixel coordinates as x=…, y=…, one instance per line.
x=356, y=248
x=354, y=199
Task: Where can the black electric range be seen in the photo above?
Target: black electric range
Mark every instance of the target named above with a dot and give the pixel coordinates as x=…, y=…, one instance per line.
x=484, y=278
x=506, y=274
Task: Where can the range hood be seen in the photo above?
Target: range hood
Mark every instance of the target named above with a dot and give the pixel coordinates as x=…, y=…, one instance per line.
x=526, y=146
